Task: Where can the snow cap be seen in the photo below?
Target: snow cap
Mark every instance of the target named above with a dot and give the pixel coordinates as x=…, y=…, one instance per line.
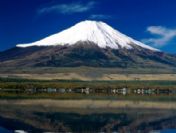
x=94, y=31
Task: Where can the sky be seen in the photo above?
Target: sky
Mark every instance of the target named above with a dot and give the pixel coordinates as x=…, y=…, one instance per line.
x=151, y=21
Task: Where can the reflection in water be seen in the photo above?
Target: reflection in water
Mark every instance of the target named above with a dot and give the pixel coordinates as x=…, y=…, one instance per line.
x=42, y=119
x=3, y=130
x=38, y=118
x=89, y=91
x=168, y=131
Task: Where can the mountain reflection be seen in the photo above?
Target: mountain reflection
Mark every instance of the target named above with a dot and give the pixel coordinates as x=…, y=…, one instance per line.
x=43, y=119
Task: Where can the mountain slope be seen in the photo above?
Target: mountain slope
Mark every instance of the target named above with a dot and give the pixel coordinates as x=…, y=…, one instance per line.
x=85, y=54
x=88, y=43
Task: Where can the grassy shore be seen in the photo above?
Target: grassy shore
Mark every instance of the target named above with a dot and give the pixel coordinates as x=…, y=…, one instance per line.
x=22, y=84
x=94, y=104
x=89, y=73
x=86, y=77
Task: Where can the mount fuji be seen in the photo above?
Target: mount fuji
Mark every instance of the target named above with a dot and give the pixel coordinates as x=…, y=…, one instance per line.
x=88, y=43
x=97, y=32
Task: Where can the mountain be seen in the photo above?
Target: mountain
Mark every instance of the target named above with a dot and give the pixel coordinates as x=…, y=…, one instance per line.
x=88, y=43
x=97, y=32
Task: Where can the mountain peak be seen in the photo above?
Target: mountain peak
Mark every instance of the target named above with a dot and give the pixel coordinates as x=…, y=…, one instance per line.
x=90, y=22
x=97, y=32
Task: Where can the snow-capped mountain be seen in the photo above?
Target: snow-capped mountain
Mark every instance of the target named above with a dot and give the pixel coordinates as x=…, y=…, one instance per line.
x=97, y=32
x=88, y=43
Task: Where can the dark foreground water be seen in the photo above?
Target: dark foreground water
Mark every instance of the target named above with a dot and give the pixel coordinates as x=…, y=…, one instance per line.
x=36, y=119
x=3, y=130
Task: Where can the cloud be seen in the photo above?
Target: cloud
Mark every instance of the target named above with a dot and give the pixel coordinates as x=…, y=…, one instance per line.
x=68, y=8
x=162, y=37
x=99, y=16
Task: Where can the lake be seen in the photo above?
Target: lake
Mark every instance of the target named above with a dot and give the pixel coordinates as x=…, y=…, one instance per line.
x=36, y=118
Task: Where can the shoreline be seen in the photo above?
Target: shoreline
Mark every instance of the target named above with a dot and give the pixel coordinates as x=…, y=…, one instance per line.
x=92, y=104
x=84, y=77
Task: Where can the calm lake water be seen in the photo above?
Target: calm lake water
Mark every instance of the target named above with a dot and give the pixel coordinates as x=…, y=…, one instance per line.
x=3, y=130
x=36, y=119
